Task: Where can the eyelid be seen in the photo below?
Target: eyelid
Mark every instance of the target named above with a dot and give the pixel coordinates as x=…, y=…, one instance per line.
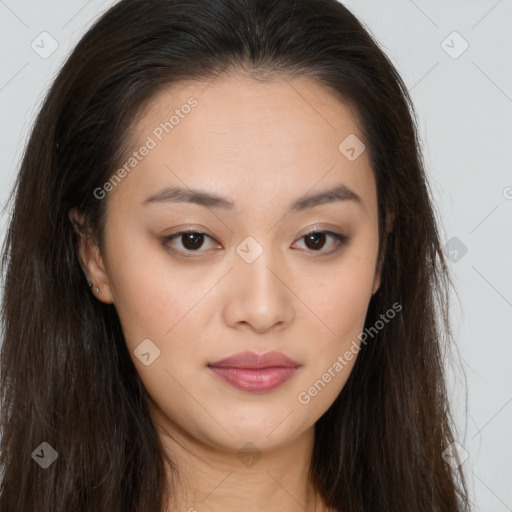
x=340, y=239
x=177, y=235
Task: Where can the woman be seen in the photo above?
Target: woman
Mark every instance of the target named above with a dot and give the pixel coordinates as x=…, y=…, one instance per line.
x=223, y=274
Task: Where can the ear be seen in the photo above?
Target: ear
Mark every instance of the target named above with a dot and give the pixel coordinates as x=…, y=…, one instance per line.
x=390, y=220
x=90, y=259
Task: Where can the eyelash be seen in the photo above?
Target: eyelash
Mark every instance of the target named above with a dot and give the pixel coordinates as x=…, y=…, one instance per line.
x=341, y=241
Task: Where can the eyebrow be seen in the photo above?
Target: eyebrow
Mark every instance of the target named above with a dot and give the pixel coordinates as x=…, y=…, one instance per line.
x=209, y=200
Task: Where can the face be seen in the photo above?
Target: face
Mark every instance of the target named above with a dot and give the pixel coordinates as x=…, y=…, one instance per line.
x=252, y=275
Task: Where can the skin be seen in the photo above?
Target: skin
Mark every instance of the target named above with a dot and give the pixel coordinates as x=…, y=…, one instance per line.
x=262, y=145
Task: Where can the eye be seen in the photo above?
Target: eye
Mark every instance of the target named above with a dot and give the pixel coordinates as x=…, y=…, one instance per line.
x=191, y=241
x=315, y=240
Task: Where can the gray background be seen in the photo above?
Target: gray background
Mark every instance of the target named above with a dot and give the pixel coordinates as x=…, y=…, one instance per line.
x=464, y=104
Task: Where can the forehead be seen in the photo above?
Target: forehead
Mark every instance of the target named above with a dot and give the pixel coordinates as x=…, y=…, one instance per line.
x=234, y=105
x=267, y=138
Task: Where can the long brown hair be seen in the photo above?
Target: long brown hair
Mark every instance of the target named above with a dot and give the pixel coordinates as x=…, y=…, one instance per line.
x=67, y=378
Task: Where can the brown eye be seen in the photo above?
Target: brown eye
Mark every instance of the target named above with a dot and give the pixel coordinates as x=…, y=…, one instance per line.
x=191, y=241
x=316, y=241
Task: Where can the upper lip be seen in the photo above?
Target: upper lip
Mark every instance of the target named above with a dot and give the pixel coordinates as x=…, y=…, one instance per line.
x=254, y=360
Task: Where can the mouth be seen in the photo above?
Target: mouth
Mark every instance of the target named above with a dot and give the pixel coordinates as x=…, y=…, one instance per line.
x=253, y=372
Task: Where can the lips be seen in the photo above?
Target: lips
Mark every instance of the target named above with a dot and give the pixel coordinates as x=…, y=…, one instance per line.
x=253, y=372
x=253, y=360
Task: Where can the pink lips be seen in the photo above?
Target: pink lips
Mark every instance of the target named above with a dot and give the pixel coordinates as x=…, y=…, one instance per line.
x=253, y=372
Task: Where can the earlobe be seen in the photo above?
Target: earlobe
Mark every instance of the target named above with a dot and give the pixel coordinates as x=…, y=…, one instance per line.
x=94, y=269
x=90, y=259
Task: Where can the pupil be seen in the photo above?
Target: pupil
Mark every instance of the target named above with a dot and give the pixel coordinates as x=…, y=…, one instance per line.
x=314, y=238
x=192, y=239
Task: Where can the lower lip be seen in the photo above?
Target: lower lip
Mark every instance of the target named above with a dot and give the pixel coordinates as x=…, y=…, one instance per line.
x=254, y=379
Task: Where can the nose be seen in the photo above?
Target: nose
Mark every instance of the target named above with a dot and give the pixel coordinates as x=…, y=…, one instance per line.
x=259, y=295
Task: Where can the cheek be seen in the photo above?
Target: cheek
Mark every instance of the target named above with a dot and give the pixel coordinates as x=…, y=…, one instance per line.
x=340, y=295
x=339, y=300
x=151, y=296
